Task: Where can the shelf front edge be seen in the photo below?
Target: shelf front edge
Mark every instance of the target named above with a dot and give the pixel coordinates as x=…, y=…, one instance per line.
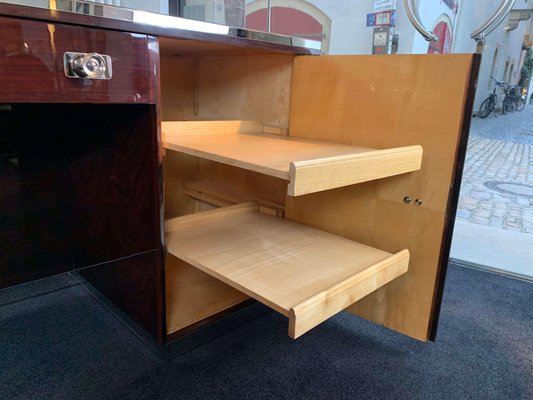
x=333, y=172
x=315, y=310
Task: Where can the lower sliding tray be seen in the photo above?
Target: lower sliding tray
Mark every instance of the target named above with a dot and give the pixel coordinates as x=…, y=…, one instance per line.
x=304, y=273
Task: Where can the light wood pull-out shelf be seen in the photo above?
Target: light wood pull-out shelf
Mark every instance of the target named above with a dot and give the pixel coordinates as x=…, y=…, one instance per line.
x=309, y=166
x=305, y=274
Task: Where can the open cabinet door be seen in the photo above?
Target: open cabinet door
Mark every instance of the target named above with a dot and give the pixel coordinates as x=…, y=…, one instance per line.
x=383, y=102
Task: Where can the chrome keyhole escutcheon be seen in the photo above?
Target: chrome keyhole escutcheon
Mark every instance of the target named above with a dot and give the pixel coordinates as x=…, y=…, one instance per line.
x=87, y=65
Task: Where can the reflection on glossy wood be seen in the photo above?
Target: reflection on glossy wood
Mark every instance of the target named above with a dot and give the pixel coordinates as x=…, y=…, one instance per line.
x=134, y=286
x=31, y=64
x=75, y=194
x=114, y=183
x=35, y=226
x=184, y=38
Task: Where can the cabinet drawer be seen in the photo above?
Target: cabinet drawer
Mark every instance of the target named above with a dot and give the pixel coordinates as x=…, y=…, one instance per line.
x=303, y=273
x=32, y=70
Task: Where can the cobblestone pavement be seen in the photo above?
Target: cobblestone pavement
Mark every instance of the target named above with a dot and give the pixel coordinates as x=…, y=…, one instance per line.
x=497, y=185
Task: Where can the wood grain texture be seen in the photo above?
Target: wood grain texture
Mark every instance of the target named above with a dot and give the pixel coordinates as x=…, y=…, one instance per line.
x=303, y=273
x=310, y=166
x=31, y=64
x=226, y=88
x=186, y=48
x=172, y=128
x=310, y=176
x=223, y=196
x=387, y=102
x=193, y=296
x=327, y=303
x=113, y=181
x=35, y=207
x=76, y=198
x=453, y=199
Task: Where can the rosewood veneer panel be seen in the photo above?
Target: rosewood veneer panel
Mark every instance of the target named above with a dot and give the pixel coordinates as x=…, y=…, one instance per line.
x=31, y=64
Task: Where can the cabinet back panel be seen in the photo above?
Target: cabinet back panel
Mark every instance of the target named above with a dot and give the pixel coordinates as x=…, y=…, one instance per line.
x=248, y=88
x=388, y=101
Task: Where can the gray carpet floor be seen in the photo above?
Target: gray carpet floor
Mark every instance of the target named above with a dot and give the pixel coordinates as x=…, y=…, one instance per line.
x=58, y=342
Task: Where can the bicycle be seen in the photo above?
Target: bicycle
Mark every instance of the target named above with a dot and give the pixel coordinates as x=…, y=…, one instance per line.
x=519, y=100
x=508, y=104
x=490, y=102
x=513, y=100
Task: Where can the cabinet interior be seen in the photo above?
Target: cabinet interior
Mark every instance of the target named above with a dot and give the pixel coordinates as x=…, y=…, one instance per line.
x=357, y=101
x=206, y=88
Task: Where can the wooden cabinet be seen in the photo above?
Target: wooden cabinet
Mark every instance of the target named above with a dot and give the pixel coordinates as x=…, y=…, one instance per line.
x=313, y=184
x=80, y=161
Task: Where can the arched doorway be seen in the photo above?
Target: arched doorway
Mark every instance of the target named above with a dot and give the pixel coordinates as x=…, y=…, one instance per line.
x=443, y=29
x=293, y=18
x=506, y=72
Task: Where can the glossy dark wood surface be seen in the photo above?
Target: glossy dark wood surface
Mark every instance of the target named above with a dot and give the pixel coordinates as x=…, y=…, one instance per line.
x=154, y=56
x=31, y=64
x=112, y=178
x=132, y=285
x=127, y=26
x=80, y=186
x=35, y=225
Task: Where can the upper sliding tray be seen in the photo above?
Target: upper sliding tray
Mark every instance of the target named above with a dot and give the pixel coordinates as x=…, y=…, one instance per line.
x=309, y=166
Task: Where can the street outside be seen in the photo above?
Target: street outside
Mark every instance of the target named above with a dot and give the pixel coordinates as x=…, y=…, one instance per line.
x=494, y=225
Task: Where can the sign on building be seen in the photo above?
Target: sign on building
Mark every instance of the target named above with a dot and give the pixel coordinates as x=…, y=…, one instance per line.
x=384, y=5
x=385, y=18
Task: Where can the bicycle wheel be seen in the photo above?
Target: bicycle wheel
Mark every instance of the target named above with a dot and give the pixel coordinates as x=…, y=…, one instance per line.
x=520, y=104
x=486, y=108
x=506, y=106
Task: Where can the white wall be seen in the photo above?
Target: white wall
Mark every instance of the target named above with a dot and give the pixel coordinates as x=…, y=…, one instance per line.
x=349, y=34
x=473, y=14
x=157, y=6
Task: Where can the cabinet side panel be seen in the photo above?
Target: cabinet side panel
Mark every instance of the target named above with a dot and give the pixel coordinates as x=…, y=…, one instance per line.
x=387, y=101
